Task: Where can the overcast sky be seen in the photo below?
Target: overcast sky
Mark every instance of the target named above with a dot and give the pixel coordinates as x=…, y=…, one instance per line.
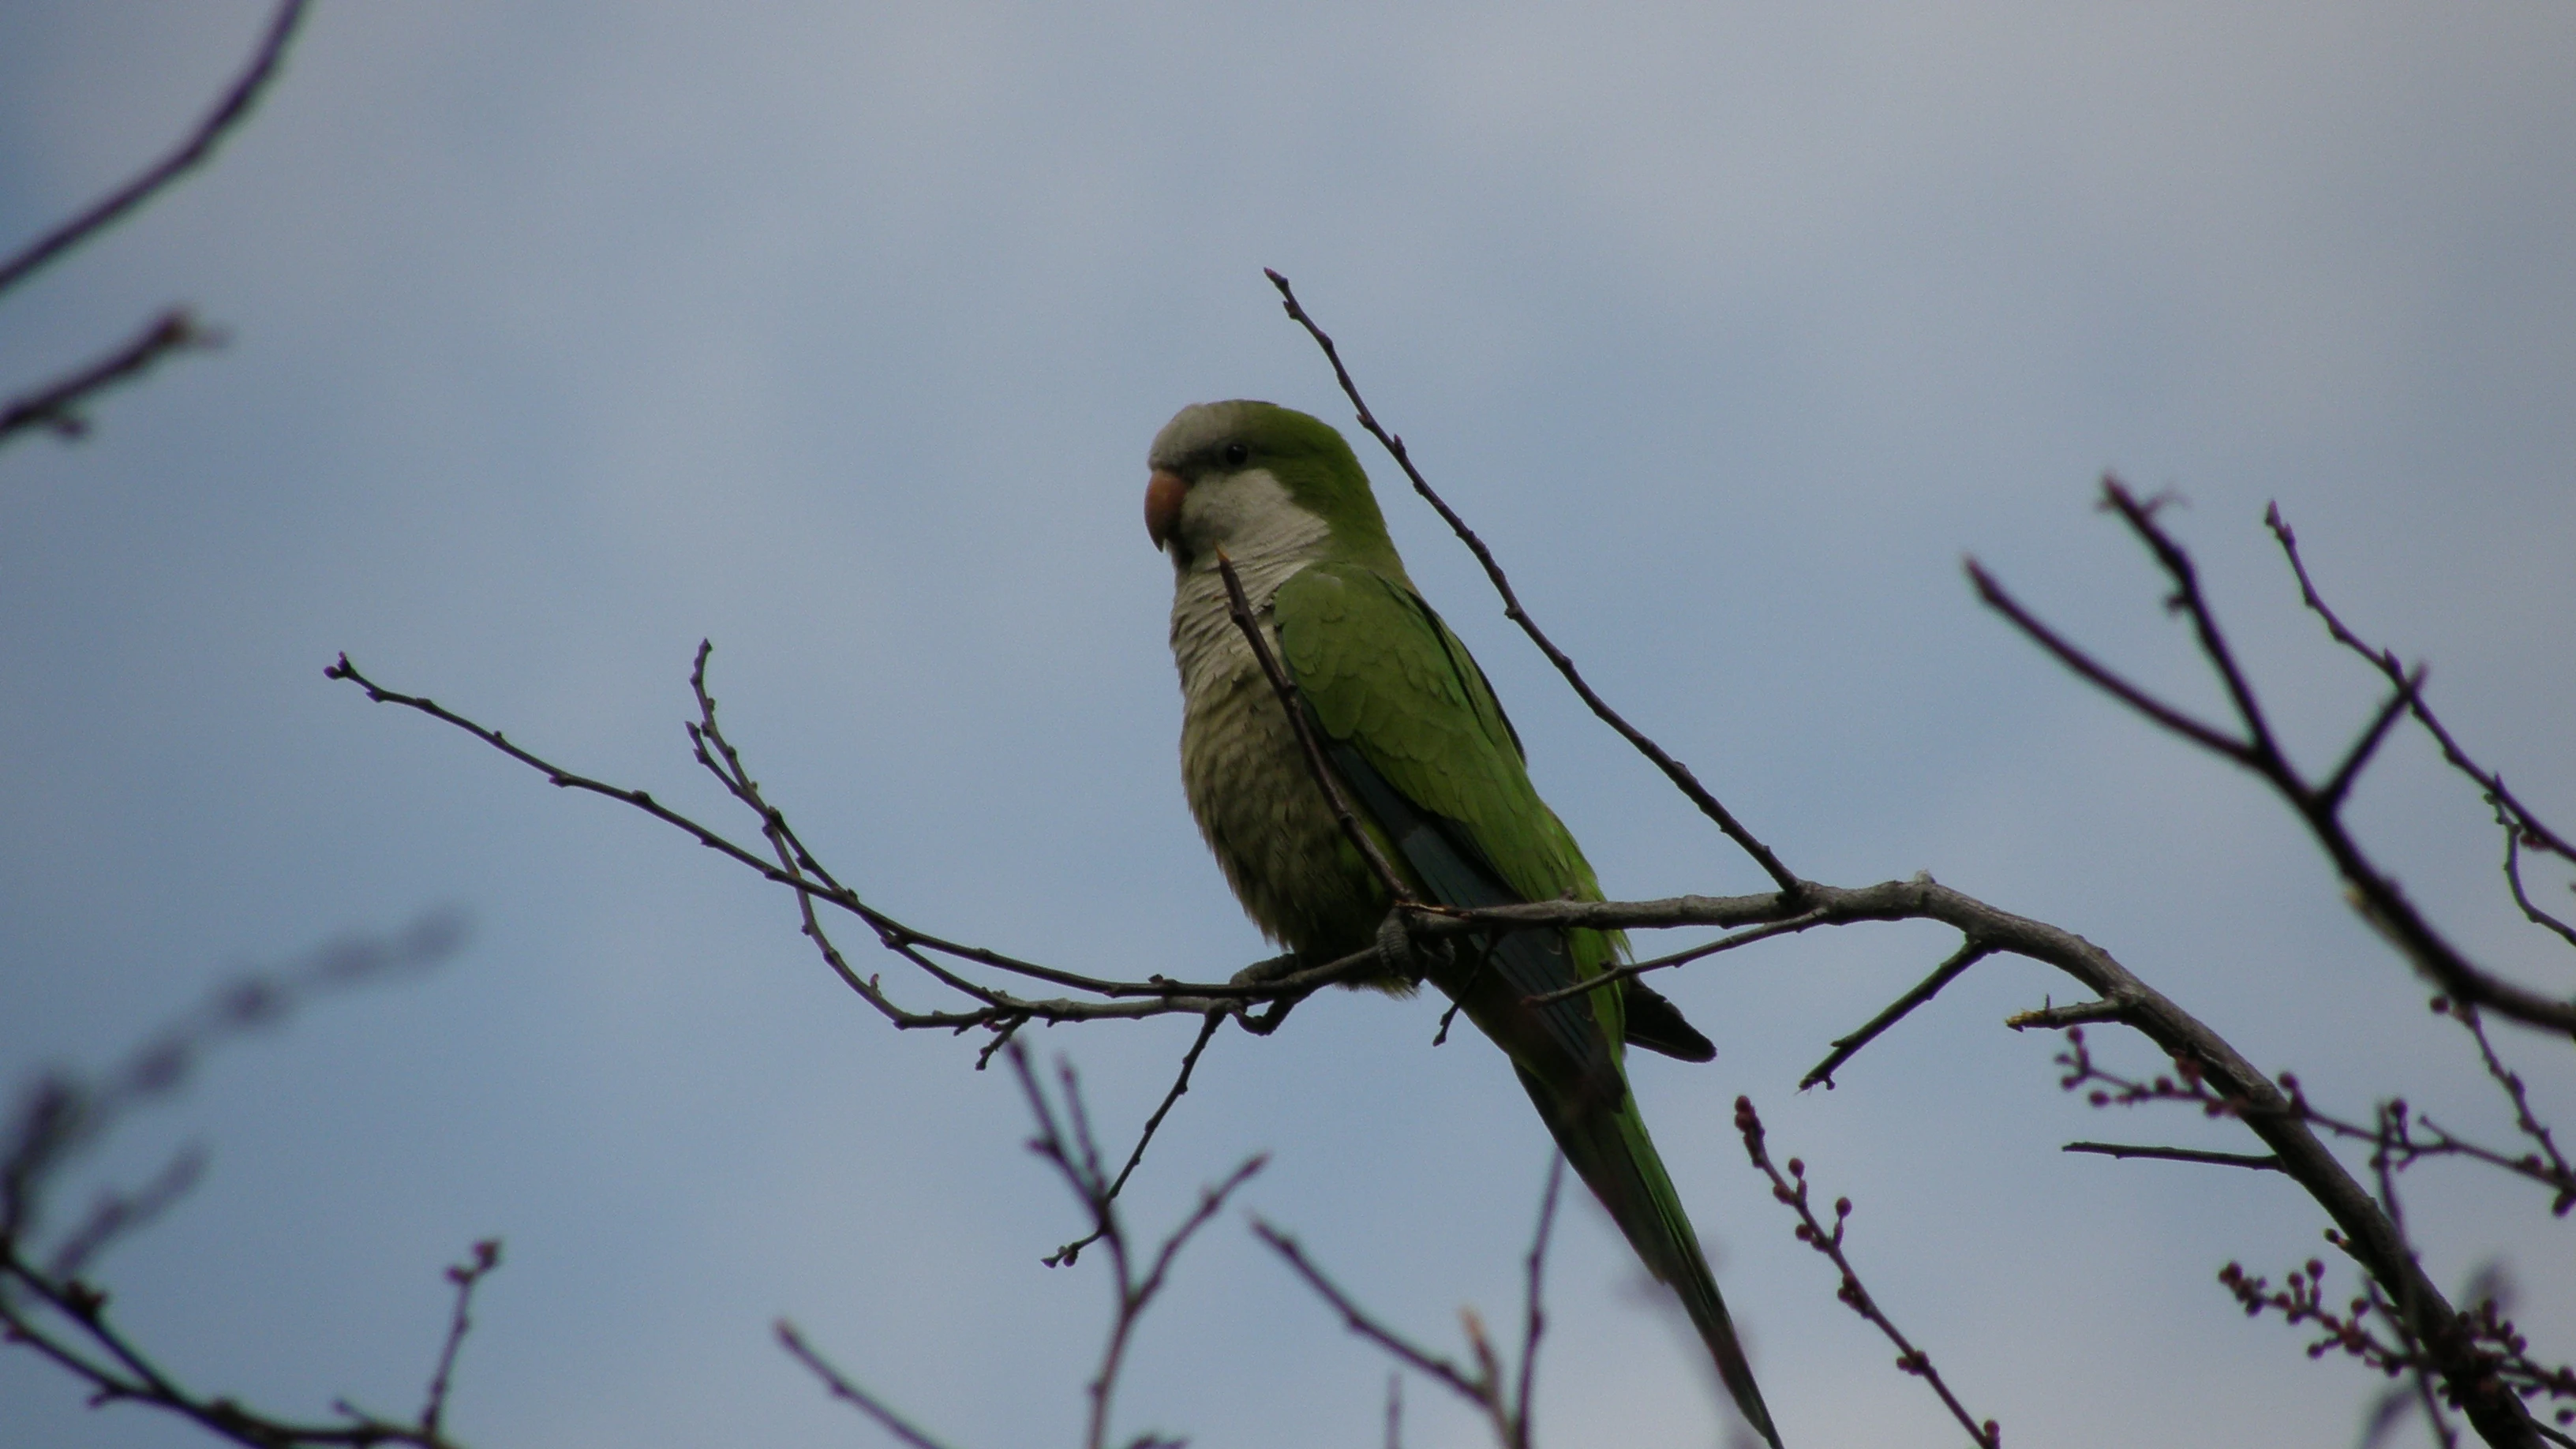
x=564, y=336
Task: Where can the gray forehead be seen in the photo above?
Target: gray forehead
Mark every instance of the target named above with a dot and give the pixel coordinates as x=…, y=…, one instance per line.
x=1196, y=428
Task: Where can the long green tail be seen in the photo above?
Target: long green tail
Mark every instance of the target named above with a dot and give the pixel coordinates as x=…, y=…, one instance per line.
x=1568, y=1060
x=1616, y=1159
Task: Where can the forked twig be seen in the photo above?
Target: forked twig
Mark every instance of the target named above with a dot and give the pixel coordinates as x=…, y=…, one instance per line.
x=56, y=1314
x=1064, y=1257
x=2319, y=806
x=467, y=1276
x=1503, y=1397
x=1064, y=1140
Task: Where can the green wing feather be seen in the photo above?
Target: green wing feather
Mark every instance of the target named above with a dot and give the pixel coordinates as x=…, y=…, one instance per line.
x=1416, y=732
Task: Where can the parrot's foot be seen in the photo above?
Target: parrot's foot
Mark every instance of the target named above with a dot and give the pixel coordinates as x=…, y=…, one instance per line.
x=1262, y=972
x=1395, y=947
x=1259, y=973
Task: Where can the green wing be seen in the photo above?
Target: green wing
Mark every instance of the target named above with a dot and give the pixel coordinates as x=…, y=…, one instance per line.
x=1385, y=675
x=1400, y=699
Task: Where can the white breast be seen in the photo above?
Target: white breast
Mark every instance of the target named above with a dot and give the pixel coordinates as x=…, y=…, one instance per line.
x=1241, y=765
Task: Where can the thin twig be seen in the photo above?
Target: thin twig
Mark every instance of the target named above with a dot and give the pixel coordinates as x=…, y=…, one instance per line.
x=1682, y=957
x=2372, y=891
x=2074, y=1013
x=2260, y=1161
x=466, y=1276
x=1358, y=1320
x=2331, y=795
x=1970, y=952
x=2385, y=661
x=2188, y=1084
x=1792, y=1190
x=2511, y=1083
x=56, y=405
x=2411, y=1327
x=1533, y=1317
x=1157, y=996
x=791, y=1339
x=1674, y=770
x=1995, y=597
x=1064, y=1257
x=2513, y=881
x=228, y=113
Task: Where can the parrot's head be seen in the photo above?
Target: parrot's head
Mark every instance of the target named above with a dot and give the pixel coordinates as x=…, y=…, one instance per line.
x=1256, y=479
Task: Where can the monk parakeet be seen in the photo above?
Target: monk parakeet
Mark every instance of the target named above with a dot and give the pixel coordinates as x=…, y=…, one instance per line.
x=1428, y=761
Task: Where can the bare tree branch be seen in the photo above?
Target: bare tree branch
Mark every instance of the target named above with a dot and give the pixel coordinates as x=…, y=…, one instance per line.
x=1970, y=952
x=2413, y=1138
x=893, y=1423
x=2406, y=1316
x=1674, y=770
x=2513, y=838
x=802, y=873
x=229, y=112
x=2385, y=661
x=2547, y=1165
x=1503, y=1396
x=1792, y=1190
x=467, y=1276
x=56, y=405
x=1064, y=1257
x=1682, y=957
x=2375, y=894
x=1065, y=1142
x=2259, y=1161
x=56, y=1314
x=1076, y=1157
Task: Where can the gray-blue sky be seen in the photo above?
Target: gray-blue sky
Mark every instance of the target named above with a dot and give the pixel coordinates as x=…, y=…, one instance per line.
x=566, y=335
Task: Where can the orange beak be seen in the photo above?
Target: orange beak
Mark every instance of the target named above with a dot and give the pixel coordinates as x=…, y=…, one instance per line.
x=1163, y=493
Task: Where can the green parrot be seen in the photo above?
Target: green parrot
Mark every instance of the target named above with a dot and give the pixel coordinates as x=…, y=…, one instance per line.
x=1435, y=771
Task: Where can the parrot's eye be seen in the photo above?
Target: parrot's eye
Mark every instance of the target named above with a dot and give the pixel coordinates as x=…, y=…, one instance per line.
x=1237, y=454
